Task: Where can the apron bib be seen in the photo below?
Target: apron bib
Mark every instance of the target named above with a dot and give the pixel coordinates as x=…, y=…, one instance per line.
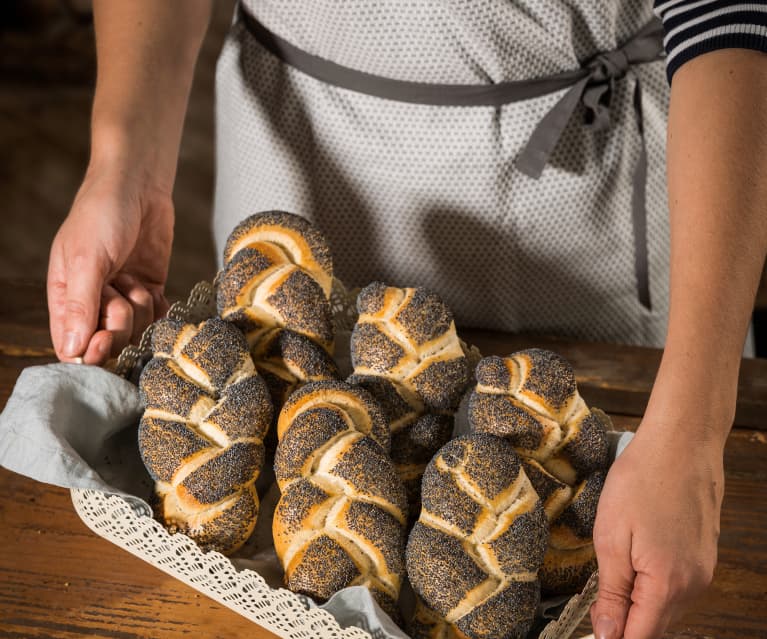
x=509, y=156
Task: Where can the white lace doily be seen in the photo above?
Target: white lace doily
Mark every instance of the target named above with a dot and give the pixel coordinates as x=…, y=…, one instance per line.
x=280, y=611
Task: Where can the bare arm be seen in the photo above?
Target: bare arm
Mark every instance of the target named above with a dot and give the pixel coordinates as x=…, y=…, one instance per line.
x=111, y=254
x=658, y=521
x=146, y=52
x=717, y=179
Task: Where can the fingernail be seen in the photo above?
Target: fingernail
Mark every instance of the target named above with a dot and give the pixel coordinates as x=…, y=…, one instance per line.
x=71, y=344
x=605, y=628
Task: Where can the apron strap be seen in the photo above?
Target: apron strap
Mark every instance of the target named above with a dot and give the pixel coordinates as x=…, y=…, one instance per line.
x=591, y=85
x=595, y=92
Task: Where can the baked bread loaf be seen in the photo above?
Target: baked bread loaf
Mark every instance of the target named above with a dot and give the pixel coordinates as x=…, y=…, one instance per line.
x=300, y=241
x=340, y=520
x=201, y=434
x=277, y=274
x=474, y=553
x=531, y=399
x=407, y=335
x=571, y=511
x=275, y=287
x=406, y=353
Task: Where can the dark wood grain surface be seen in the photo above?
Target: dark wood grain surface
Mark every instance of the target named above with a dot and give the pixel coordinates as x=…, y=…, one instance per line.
x=58, y=579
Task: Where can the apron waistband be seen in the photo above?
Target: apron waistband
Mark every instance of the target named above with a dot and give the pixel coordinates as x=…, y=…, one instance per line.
x=590, y=85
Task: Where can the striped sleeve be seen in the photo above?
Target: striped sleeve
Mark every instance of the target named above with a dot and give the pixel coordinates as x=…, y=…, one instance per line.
x=694, y=27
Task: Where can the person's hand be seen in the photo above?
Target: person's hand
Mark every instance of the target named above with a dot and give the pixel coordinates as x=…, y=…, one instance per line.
x=108, y=266
x=656, y=533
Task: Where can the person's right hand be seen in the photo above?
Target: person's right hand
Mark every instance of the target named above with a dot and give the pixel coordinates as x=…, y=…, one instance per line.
x=108, y=266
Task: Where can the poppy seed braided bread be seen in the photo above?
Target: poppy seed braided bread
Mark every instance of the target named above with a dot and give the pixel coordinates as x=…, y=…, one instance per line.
x=406, y=353
x=201, y=434
x=474, y=553
x=340, y=520
x=275, y=286
x=531, y=399
x=408, y=336
x=278, y=273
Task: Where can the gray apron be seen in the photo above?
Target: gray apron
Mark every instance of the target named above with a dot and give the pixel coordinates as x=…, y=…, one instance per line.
x=508, y=155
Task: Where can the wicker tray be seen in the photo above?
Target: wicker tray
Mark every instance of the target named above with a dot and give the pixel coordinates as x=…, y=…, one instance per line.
x=280, y=611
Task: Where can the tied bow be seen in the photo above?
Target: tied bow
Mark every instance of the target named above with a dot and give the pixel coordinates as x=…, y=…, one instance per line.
x=604, y=71
x=594, y=90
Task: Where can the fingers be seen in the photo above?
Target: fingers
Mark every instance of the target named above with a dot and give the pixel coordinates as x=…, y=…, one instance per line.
x=616, y=580
x=56, y=293
x=641, y=590
x=127, y=308
x=75, y=282
x=142, y=303
x=115, y=328
x=161, y=304
x=651, y=611
x=117, y=317
x=99, y=348
x=662, y=593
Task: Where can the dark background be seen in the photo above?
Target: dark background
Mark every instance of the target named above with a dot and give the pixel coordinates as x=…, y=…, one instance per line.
x=47, y=75
x=47, y=72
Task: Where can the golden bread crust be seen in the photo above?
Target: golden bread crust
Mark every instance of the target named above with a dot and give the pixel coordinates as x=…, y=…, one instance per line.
x=474, y=553
x=341, y=514
x=406, y=353
x=531, y=399
x=201, y=435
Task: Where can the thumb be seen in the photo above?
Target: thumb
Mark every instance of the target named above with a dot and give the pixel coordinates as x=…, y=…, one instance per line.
x=616, y=583
x=85, y=275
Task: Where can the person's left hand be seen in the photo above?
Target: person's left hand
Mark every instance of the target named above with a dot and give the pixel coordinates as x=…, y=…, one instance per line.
x=656, y=532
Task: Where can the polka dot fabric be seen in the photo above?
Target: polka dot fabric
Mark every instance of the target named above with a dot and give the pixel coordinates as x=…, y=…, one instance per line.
x=418, y=195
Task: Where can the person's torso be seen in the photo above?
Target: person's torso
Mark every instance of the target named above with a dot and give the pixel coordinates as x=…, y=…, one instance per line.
x=422, y=195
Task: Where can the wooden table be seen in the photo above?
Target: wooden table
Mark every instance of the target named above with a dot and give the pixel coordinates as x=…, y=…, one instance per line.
x=58, y=579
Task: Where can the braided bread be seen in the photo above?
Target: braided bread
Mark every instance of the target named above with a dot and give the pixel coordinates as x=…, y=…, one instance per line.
x=201, y=434
x=277, y=274
x=531, y=399
x=474, y=553
x=405, y=351
x=341, y=514
x=408, y=336
x=571, y=511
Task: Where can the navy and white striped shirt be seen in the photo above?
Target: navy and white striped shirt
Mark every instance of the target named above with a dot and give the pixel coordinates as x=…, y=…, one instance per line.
x=694, y=27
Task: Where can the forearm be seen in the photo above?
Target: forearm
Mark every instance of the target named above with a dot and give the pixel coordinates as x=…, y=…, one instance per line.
x=146, y=54
x=717, y=181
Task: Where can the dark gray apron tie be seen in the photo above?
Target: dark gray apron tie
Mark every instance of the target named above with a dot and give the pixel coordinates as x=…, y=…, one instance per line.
x=591, y=85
